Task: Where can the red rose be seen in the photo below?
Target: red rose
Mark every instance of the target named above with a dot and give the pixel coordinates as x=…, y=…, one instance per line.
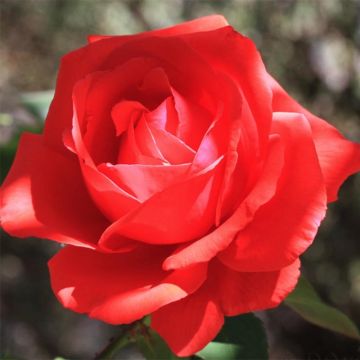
x=184, y=180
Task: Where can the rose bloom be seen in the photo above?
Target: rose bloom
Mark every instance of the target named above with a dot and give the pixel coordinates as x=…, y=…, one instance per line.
x=183, y=180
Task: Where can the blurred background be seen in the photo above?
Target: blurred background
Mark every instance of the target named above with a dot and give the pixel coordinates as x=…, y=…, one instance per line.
x=311, y=47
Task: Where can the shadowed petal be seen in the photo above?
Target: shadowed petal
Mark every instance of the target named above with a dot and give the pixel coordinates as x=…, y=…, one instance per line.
x=44, y=195
x=119, y=288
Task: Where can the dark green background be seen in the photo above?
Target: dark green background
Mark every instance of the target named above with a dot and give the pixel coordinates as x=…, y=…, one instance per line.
x=311, y=47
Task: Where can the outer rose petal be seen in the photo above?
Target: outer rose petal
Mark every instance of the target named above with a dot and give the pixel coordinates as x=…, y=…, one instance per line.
x=106, y=54
x=283, y=228
x=43, y=195
x=242, y=292
x=190, y=324
x=339, y=158
x=206, y=23
x=119, y=288
x=237, y=56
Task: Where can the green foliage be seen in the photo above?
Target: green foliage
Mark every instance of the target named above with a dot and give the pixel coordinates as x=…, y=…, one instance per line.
x=242, y=337
x=152, y=346
x=38, y=102
x=306, y=302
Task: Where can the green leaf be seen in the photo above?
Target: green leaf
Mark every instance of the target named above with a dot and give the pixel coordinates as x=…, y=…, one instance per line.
x=307, y=303
x=242, y=337
x=218, y=350
x=152, y=346
x=38, y=102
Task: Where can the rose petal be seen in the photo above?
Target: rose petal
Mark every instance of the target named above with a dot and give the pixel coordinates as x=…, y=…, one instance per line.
x=285, y=226
x=155, y=88
x=124, y=112
x=223, y=132
x=77, y=64
x=165, y=116
x=74, y=67
x=113, y=201
x=172, y=148
x=210, y=245
x=205, y=23
x=146, y=143
x=211, y=147
x=189, y=324
x=242, y=292
x=96, y=97
x=156, y=222
x=233, y=54
x=129, y=147
x=44, y=196
x=194, y=120
x=242, y=148
x=143, y=181
x=110, y=199
x=170, y=54
x=339, y=158
x=119, y=288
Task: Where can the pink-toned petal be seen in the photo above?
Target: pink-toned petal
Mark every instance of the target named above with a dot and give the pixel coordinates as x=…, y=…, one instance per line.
x=173, y=149
x=44, y=196
x=190, y=324
x=129, y=149
x=143, y=181
x=285, y=226
x=165, y=116
x=212, y=146
x=338, y=157
x=223, y=132
x=119, y=288
x=146, y=143
x=194, y=120
x=180, y=213
x=210, y=245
